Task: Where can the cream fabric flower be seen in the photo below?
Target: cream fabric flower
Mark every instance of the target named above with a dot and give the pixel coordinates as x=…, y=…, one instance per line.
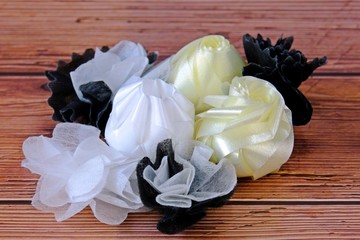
x=203, y=67
x=147, y=112
x=251, y=126
x=114, y=67
x=78, y=169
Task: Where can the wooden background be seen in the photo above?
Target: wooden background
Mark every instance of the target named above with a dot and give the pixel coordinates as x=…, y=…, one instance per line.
x=316, y=195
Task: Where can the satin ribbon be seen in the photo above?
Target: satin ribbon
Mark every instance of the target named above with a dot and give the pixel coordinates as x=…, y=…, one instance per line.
x=204, y=67
x=251, y=126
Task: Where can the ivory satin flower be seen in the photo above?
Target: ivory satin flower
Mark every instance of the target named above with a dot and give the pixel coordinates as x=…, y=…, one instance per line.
x=251, y=126
x=204, y=67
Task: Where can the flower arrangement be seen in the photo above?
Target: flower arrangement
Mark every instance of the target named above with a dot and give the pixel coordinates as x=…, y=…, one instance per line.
x=175, y=135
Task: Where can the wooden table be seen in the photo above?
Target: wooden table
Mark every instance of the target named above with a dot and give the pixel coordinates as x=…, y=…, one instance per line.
x=316, y=194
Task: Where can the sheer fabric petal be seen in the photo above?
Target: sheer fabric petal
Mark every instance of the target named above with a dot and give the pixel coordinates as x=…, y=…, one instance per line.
x=184, y=183
x=78, y=169
x=114, y=67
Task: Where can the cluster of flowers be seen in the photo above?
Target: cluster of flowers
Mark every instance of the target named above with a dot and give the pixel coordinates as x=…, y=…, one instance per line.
x=174, y=135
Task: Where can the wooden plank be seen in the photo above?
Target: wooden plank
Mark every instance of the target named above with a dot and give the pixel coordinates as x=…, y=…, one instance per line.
x=229, y=222
x=324, y=164
x=36, y=34
x=316, y=193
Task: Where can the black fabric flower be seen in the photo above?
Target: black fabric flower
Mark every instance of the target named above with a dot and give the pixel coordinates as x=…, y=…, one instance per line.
x=176, y=219
x=286, y=69
x=66, y=104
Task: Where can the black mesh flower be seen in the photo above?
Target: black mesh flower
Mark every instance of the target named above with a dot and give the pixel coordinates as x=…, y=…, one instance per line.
x=286, y=69
x=65, y=102
x=176, y=219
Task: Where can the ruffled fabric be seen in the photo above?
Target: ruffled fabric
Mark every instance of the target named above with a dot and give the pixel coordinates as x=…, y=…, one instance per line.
x=77, y=169
x=204, y=67
x=146, y=112
x=84, y=104
x=67, y=106
x=251, y=127
x=243, y=127
x=184, y=183
x=114, y=67
x=286, y=69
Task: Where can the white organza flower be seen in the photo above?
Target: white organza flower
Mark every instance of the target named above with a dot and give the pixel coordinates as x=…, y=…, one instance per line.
x=78, y=169
x=114, y=67
x=147, y=112
x=251, y=126
x=199, y=179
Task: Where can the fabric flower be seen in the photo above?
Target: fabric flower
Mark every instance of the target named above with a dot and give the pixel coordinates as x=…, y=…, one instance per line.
x=78, y=169
x=204, y=67
x=251, y=126
x=67, y=106
x=146, y=112
x=84, y=104
x=286, y=69
x=114, y=67
x=184, y=184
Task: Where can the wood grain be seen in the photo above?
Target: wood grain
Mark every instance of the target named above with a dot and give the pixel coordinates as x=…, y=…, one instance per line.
x=36, y=34
x=324, y=163
x=229, y=222
x=315, y=195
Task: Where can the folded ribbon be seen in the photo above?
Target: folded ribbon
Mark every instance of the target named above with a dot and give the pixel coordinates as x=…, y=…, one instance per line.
x=251, y=126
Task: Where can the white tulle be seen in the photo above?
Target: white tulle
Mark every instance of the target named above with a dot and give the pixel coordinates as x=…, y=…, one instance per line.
x=145, y=113
x=114, y=67
x=200, y=179
x=78, y=169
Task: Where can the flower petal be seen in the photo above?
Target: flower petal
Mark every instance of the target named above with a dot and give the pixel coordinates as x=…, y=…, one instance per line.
x=87, y=180
x=286, y=69
x=107, y=213
x=205, y=67
x=183, y=189
x=252, y=128
x=61, y=214
x=145, y=113
x=113, y=67
x=51, y=191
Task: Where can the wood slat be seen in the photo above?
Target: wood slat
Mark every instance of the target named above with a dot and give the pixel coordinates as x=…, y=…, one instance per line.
x=36, y=34
x=228, y=222
x=315, y=195
x=324, y=163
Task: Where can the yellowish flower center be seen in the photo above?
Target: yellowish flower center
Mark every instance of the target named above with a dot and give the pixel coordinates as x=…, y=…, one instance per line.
x=214, y=42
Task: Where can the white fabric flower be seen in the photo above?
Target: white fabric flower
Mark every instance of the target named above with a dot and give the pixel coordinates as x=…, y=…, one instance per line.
x=251, y=126
x=78, y=169
x=199, y=180
x=147, y=112
x=114, y=67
